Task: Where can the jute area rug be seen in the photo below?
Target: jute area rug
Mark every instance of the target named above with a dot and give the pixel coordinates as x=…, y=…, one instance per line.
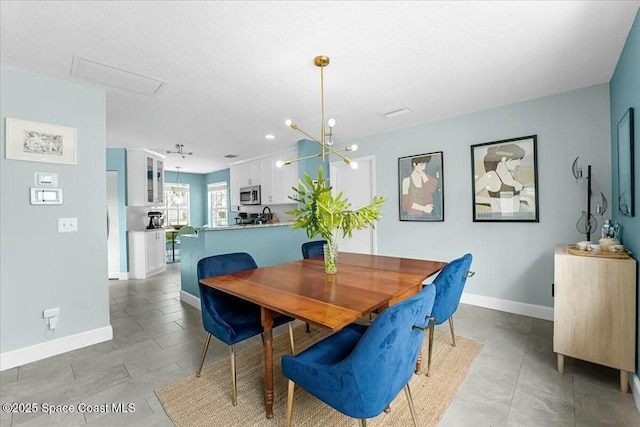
x=206, y=401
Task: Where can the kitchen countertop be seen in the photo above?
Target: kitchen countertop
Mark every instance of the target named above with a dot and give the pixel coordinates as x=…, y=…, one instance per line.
x=244, y=226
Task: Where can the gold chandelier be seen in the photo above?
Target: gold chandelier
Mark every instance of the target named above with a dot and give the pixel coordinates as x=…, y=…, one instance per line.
x=326, y=139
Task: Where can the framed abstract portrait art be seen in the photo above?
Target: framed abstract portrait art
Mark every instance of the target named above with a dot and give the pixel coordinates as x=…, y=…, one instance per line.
x=421, y=187
x=505, y=180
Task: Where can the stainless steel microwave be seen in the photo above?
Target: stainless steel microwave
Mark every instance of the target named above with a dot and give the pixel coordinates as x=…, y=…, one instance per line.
x=250, y=195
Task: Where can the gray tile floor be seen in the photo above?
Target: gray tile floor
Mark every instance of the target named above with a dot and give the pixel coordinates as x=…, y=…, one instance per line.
x=158, y=339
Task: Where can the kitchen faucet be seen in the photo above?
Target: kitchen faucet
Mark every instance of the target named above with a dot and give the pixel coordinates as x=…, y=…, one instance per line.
x=266, y=216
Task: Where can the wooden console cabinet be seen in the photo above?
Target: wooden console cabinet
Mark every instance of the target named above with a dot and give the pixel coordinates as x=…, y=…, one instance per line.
x=595, y=311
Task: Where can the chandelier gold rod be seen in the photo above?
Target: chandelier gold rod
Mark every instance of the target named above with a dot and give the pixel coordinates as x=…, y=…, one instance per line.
x=322, y=65
x=321, y=61
x=336, y=152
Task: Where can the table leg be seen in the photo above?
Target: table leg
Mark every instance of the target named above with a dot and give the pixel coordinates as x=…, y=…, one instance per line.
x=418, y=364
x=173, y=249
x=267, y=325
x=624, y=381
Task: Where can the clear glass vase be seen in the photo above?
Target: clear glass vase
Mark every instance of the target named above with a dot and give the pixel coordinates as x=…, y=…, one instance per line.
x=330, y=250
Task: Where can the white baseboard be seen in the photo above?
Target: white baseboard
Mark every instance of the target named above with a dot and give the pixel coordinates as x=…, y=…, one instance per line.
x=190, y=299
x=634, y=383
x=537, y=311
x=33, y=353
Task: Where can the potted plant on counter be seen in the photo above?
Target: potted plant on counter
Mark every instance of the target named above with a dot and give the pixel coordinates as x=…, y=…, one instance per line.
x=319, y=213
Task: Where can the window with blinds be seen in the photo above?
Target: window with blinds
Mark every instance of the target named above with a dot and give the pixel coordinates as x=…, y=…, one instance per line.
x=218, y=197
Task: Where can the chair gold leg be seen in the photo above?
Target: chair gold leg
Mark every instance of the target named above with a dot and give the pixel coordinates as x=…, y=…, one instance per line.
x=453, y=335
x=412, y=408
x=291, y=389
x=363, y=422
x=234, y=390
x=204, y=354
x=430, y=349
x=293, y=347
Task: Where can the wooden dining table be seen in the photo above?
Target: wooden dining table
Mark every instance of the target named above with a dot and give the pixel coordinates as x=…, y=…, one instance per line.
x=302, y=290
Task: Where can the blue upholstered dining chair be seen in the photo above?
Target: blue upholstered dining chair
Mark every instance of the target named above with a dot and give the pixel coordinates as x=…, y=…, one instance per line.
x=449, y=285
x=361, y=369
x=228, y=318
x=313, y=249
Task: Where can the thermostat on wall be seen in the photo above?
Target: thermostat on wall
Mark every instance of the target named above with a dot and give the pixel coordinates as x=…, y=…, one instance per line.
x=45, y=179
x=46, y=196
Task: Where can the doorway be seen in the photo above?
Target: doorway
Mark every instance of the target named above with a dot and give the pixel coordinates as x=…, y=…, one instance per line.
x=113, y=225
x=359, y=187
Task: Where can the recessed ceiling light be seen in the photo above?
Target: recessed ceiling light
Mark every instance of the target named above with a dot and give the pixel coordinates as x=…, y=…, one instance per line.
x=269, y=136
x=231, y=156
x=397, y=112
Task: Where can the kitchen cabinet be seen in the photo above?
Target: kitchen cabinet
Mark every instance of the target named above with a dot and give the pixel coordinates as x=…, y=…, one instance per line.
x=244, y=174
x=147, y=253
x=595, y=311
x=145, y=178
x=275, y=183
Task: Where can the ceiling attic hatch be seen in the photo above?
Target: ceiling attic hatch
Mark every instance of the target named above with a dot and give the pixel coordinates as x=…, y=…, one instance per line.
x=114, y=77
x=400, y=111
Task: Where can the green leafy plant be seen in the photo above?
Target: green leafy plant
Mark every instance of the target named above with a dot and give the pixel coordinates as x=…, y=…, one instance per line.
x=319, y=213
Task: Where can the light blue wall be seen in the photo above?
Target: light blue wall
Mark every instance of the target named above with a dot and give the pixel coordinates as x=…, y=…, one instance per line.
x=259, y=242
x=117, y=161
x=39, y=267
x=197, y=194
x=310, y=166
x=625, y=93
x=513, y=261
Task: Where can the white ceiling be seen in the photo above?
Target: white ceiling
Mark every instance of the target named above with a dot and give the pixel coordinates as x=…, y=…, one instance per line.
x=234, y=71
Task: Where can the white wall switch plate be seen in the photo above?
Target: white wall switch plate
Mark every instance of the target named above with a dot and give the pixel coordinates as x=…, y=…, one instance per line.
x=67, y=225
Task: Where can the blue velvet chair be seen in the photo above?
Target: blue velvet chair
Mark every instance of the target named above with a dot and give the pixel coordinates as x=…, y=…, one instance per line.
x=361, y=369
x=449, y=286
x=228, y=318
x=313, y=249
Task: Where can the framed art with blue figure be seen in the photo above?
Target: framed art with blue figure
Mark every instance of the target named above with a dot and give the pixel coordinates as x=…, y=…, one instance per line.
x=505, y=180
x=421, y=179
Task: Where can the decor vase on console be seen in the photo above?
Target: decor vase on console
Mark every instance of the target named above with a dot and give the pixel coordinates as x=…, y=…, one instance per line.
x=320, y=213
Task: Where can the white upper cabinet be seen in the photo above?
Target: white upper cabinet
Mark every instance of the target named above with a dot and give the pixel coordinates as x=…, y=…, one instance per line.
x=282, y=179
x=145, y=178
x=275, y=183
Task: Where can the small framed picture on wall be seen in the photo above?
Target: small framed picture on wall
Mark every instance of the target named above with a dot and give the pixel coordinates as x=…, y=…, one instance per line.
x=421, y=187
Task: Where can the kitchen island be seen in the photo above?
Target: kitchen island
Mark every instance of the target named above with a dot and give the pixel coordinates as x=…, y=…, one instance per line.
x=268, y=244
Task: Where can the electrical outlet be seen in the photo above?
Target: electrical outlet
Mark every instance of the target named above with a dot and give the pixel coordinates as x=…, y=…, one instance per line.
x=51, y=312
x=67, y=225
x=51, y=317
